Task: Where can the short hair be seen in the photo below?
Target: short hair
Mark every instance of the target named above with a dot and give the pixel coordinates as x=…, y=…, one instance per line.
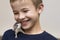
x=35, y=2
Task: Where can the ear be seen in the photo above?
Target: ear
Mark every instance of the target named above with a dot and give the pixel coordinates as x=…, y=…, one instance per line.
x=40, y=8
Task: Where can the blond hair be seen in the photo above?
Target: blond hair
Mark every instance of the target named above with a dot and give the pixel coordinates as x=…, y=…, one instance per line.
x=35, y=2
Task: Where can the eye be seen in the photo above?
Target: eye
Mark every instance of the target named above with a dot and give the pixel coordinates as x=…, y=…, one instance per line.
x=25, y=11
x=15, y=13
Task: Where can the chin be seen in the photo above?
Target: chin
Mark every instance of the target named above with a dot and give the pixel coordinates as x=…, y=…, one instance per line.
x=28, y=26
x=25, y=28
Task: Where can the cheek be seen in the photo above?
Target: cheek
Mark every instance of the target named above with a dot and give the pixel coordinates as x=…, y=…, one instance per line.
x=32, y=15
x=16, y=17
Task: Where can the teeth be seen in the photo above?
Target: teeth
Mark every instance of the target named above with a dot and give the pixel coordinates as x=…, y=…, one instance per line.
x=25, y=20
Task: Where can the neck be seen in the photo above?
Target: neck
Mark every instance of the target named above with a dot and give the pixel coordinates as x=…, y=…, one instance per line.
x=34, y=30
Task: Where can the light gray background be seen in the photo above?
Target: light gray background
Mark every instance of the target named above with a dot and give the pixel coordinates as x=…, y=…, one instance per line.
x=50, y=17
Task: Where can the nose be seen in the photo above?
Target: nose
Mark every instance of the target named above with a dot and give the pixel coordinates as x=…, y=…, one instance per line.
x=21, y=16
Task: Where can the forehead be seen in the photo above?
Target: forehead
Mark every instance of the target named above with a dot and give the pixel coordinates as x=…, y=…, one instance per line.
x=21, y=3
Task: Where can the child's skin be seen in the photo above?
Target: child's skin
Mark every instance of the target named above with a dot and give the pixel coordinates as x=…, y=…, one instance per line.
x=28, y=15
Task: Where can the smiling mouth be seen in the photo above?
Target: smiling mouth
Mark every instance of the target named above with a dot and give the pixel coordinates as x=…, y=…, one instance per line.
x=25, y=22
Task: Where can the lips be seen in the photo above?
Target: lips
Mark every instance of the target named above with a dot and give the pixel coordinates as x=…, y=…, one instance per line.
x=25, y=22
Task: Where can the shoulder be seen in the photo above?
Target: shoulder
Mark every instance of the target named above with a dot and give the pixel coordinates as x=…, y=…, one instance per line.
x=48, y=36
x=9, y=31
x=7, y=34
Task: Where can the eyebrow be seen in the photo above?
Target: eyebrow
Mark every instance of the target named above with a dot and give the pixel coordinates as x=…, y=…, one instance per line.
x=24, y=8
x=21, y=9
x=14, y=11
x=12, y=0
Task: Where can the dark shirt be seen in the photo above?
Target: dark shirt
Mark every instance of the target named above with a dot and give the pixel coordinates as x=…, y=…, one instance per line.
x=10, y=35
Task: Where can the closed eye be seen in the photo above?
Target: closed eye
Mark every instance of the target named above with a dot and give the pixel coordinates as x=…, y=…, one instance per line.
x=15, y=12
x=25, y=11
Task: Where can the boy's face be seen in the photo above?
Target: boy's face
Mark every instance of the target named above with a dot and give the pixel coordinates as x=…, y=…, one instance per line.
x=25, y=13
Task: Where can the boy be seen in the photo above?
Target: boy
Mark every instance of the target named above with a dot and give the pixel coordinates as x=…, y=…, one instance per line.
x=27, y=13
